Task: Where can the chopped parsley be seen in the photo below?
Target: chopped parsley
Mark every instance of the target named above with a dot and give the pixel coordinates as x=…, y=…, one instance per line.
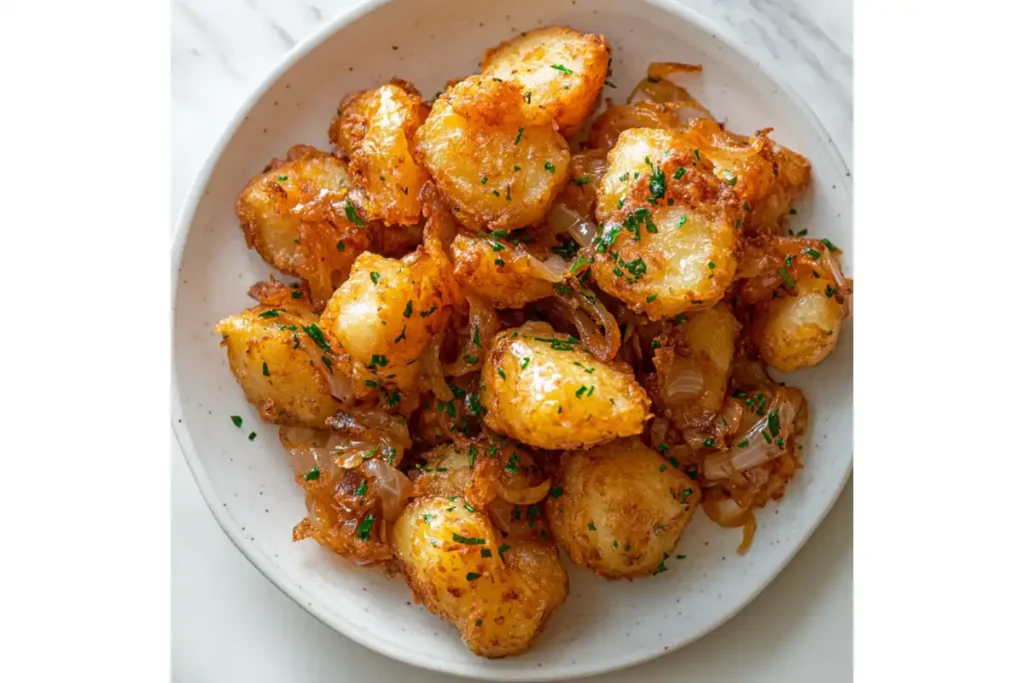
x=709, y=442
x=237, y=420
x=549, y=167
x=786, y=277
x=408, y=309
x=401, y=336
x=829, y=245
x=361, y=491
x=353, y=216
x=312, y=475
x=505, y=547
x=363, y=530
x=501, y=373
x=711, y=265
x=651, y=297
x=519, y=137
x=732, y=181
x=297, y=294
x=468, y=540
x=252, y=435
x=377, y=360
x=680, y=172
x=375, y=276
x=557, y=492
x=590, y=525
x=317, y=336
x=813, y=253
x=559, y=67
x=272, y=313
x=581, y=181
x=526, y=361
x=513, y=463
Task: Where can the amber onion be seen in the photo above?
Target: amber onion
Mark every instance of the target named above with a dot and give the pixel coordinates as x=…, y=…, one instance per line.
x=432, y=372
x=552, y=269
x=684, y=381
x=588, y=315
x=527, y=496
x=393, y=487
x=341, y=388
x=724, y=511
x=562, y=219
x=757, y=448
x=482, y=325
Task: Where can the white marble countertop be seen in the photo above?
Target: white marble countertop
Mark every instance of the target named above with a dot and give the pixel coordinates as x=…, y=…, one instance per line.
x=229, y=623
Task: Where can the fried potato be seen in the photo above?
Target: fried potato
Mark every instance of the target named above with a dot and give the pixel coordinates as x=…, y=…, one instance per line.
x=560, y=70
x=801, y=327
x=374, y=132
x=304, y=218
x=497, y=164
x=621, y=509
x=543, y=389
x=693, y=361
x=669, y=226
x=383, y=317
x=769, y=178
x=278, y=365
x=497, y=594
x=509, y=276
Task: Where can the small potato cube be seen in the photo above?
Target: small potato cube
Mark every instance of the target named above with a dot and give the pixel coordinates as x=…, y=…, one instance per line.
x=374, y=132
x=621, y=510
x=496, y=164
x=800, y=328
x=304, y=219
x=497, y=593
x=383, y=317
x=560, y=70
x=543, y=389
x=506, y=274
x=278, y=365
x=670, y=226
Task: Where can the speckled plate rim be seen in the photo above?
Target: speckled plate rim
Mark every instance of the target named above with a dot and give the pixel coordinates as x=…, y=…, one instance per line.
x=231, y=527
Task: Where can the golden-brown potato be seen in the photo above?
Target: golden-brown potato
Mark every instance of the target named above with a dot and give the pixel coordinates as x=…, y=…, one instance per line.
x=543, y=389
x=304, y=218
x=768, y=178
x=279, y=365
x=497, y=164
x=508, y=275
x=693, y=360
x=801, y=327
x=383, y=317
x=498, y=594
x=620, y=509
x=560, y=70
x=669, y=226
x=374, y=132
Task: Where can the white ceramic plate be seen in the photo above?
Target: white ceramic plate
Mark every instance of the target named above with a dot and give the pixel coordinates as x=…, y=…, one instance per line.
x=248, y=485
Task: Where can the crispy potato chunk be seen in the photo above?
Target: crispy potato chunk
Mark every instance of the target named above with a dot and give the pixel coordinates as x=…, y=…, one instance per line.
x=383, y=317
x=304, y=219
x=693, y=362
x=497, y=594
x=669, y=226
x=769, y=178
x=374, y=132
x=543, y=389
x=278, y=365
x=497, y=165
x=799, y=329
x=560, y=70
x=506, y=274
x=621, y=510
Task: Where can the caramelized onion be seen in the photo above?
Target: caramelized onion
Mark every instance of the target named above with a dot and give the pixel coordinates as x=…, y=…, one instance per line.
x=552, y=269
x=482, y=325
x=757, y=449
x=562, y=219
x=341, y=388
x=725, y=511
x=393, y=487
x=432, y=375
x=684, y=381
x=588, y=315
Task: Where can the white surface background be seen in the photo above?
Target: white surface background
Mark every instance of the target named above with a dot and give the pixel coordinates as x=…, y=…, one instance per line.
x=229, y=623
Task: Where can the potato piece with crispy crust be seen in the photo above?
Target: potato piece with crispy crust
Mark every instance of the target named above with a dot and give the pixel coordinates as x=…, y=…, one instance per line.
x=767, y=177
x=670, y=226
x=621, y=509
x=497, y=164
x=278, y=365
x=498, y=594
x=800, y=328
x=374, y=132
x=507, y=275
x=382, y=317
x=560, y=70
x=543, y=389
x=304, y=219
x=693, y=360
